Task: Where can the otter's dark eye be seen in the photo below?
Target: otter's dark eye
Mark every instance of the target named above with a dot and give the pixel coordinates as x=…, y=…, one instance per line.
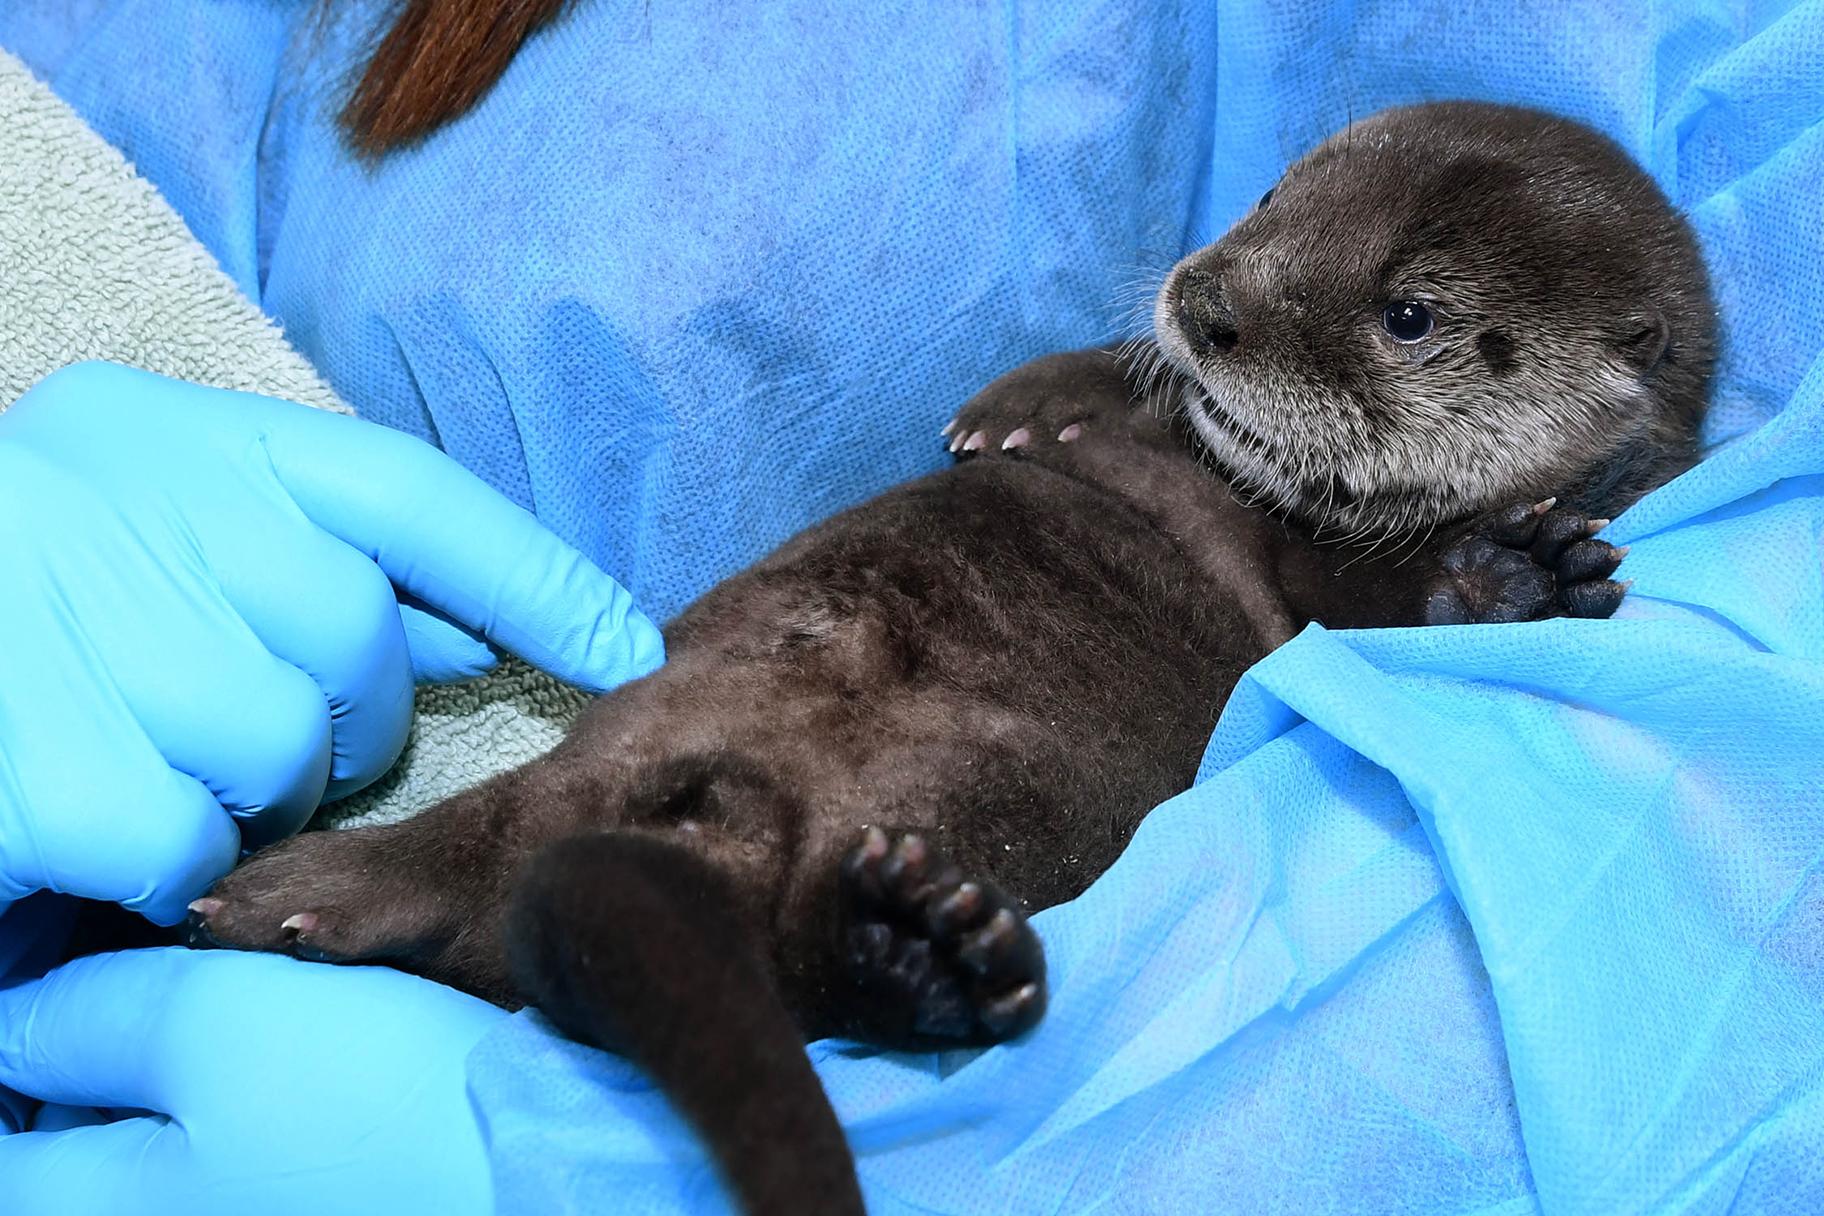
x=1265, y=198
x=1406, y=320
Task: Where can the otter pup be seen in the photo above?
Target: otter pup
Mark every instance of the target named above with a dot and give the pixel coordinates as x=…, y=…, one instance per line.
x=1405, y=389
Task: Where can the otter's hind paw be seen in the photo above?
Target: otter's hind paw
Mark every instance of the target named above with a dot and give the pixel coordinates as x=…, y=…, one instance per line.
x=1526, y=563
x=324, y=897
x=945, y=960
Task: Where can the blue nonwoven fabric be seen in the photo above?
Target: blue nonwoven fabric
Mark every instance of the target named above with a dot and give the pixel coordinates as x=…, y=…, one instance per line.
x=1456, y=920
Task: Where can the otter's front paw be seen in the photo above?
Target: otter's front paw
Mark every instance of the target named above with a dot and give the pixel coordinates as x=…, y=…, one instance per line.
x=943, y=959
x=1527, y=563
x=1056, y=400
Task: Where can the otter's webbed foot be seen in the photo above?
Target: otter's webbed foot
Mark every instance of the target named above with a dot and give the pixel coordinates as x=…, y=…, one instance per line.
x=1526, y=563
x=940, y=960
x=1051, y=402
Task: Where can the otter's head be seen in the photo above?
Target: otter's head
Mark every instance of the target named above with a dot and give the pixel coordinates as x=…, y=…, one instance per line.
x=1445, y=309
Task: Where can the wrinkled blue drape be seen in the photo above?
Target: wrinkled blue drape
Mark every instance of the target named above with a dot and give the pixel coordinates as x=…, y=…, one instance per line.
x=1455, y=920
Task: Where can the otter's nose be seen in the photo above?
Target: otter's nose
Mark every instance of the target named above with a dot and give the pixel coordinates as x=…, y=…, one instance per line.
x=1204, y=315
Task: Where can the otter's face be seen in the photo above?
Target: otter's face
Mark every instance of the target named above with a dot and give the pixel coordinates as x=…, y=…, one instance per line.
x=1432, y=315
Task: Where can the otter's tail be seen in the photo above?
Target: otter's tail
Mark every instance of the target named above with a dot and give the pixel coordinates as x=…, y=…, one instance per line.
x=635, y=945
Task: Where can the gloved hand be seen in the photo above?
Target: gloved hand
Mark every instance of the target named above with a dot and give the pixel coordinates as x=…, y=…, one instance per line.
x=273, y=1086
x=201, y=634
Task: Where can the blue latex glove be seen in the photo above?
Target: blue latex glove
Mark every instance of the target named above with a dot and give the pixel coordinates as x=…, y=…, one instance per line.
x=274, y=1086
x=204, y=635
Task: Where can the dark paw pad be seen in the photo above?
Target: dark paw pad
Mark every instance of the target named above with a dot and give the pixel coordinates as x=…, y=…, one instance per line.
x=1527, y=563
x=957, y=956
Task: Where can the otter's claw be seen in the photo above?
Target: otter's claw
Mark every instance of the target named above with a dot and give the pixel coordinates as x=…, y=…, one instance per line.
x=1038, y=412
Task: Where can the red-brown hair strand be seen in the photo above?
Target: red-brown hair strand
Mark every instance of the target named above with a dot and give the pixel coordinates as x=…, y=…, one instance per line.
x=439, y=58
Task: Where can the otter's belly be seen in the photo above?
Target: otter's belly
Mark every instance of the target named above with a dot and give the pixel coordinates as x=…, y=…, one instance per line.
x=998, y=651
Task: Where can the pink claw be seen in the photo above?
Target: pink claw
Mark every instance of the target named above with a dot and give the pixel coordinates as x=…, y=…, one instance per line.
x=1070, y=433
x=302, y=922
x=1018, y=439
x=975, y=442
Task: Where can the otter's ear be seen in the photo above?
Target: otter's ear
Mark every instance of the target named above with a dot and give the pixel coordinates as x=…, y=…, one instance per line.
x=1640, y=339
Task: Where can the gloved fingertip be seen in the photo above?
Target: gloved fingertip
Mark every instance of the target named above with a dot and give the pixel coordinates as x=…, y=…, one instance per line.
x=454, y=665
x=627, y=647
x=159, y=913
x=442, y=651
x=168, y=908
x=345, y=787
x=646, y=645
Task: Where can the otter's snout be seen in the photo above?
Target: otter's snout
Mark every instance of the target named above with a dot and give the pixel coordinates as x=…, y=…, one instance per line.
x=1204, y=315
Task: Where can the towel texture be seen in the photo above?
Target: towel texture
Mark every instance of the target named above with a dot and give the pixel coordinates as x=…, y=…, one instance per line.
x=95, y=265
